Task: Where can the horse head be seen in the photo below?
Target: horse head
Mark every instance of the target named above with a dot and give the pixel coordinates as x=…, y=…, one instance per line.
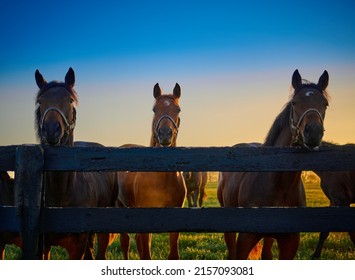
x=166, y=119
x=307, y=111
x=55, y=112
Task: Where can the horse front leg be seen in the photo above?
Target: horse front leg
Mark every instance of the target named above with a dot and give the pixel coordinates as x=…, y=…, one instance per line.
x=229, y=238
x=76, y=245
x=267, y=249
x=174, y=246
x=103, y=241
x=189, y=201
x=89, y=249
x=322, y=238
x=144, y=241
x=125, y=245
x=195, y=197
x=245, y=244
x=202, y=196
x=288, y=245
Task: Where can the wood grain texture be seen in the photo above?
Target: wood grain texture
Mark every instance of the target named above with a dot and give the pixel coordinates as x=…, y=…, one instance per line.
x=199, y=159
x=28, y=189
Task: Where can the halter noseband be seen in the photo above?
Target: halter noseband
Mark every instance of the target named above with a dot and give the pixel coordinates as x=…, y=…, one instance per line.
x=68, y=127
x=156, y=126
x=297, y=126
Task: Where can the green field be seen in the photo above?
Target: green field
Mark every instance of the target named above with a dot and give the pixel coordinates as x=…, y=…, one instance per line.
x=200, y=246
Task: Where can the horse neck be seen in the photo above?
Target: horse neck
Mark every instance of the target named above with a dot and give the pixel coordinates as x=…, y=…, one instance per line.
x=58, y=185
x=289, y=181
x=285, y=138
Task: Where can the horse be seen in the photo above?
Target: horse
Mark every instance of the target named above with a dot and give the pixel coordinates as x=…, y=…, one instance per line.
x=7, y=199
x=300, y=123
x=55, y=119
x=195, y=186
x=155, y=189
x=339, y=188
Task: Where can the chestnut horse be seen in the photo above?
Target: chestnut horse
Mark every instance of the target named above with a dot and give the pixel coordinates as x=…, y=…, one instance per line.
x=7, y=199
x=55, y=122
x=339, y=188
x=299, y=124
x=195, y=186
x=155, y=189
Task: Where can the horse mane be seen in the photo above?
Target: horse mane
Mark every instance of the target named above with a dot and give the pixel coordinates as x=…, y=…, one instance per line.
x=283, y=118
x=280, y=122
x=48, y=86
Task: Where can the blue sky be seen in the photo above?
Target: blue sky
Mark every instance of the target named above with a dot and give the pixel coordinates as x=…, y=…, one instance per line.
x=234, y=61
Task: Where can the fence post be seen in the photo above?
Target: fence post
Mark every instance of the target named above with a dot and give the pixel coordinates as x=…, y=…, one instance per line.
x=28, y=188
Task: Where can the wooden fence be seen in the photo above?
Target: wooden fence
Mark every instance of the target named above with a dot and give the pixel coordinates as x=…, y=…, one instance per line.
x=30, y=162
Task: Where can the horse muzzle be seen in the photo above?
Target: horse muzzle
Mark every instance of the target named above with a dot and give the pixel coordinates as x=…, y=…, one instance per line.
x=52, y=133
x=165, y=136
x=312, y=135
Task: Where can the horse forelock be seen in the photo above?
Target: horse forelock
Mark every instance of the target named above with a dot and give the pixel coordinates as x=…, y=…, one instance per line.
x=54, y=84
x=308, y=84
x=168, y=96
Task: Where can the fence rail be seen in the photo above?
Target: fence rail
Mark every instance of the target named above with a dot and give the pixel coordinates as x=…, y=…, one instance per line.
x=30, y=162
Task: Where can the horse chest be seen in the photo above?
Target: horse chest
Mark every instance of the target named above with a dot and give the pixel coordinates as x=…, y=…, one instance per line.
x=163, y=189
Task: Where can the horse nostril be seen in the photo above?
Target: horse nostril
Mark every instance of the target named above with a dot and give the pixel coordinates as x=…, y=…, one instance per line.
x=165, y=132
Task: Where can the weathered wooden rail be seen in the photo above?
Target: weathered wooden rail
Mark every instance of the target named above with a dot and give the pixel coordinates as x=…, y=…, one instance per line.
x=30, y=162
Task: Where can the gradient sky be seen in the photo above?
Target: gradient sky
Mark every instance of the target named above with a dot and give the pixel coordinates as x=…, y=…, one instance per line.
x=233, y=60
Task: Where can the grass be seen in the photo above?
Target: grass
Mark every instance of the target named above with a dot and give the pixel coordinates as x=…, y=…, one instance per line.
x=204, y=246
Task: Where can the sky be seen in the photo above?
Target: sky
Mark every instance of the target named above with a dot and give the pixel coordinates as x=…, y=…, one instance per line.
x=233, y=60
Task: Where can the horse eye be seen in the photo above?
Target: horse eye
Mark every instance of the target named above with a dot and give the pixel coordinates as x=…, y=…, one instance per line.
x=71, y=100
x=154, y=110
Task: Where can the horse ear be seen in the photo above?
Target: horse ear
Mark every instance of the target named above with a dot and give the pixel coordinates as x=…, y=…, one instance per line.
x=296, y=79
x=323, y=80
x=177, y=90
x=156, y=91
x=40, y=81
x=70, y=77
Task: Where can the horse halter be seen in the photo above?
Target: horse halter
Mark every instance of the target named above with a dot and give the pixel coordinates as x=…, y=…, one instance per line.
x=68, y=127
x=296, y=137
x=156, y=126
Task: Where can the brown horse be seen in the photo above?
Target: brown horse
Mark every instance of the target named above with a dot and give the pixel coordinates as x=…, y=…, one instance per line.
x=55, y=122
x=7, y=199
x=155, y=189
x=300, y=123
x=339, y=187
x=195, y=186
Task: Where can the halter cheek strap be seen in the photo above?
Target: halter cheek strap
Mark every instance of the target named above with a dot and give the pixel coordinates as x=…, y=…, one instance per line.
x=296, y=127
